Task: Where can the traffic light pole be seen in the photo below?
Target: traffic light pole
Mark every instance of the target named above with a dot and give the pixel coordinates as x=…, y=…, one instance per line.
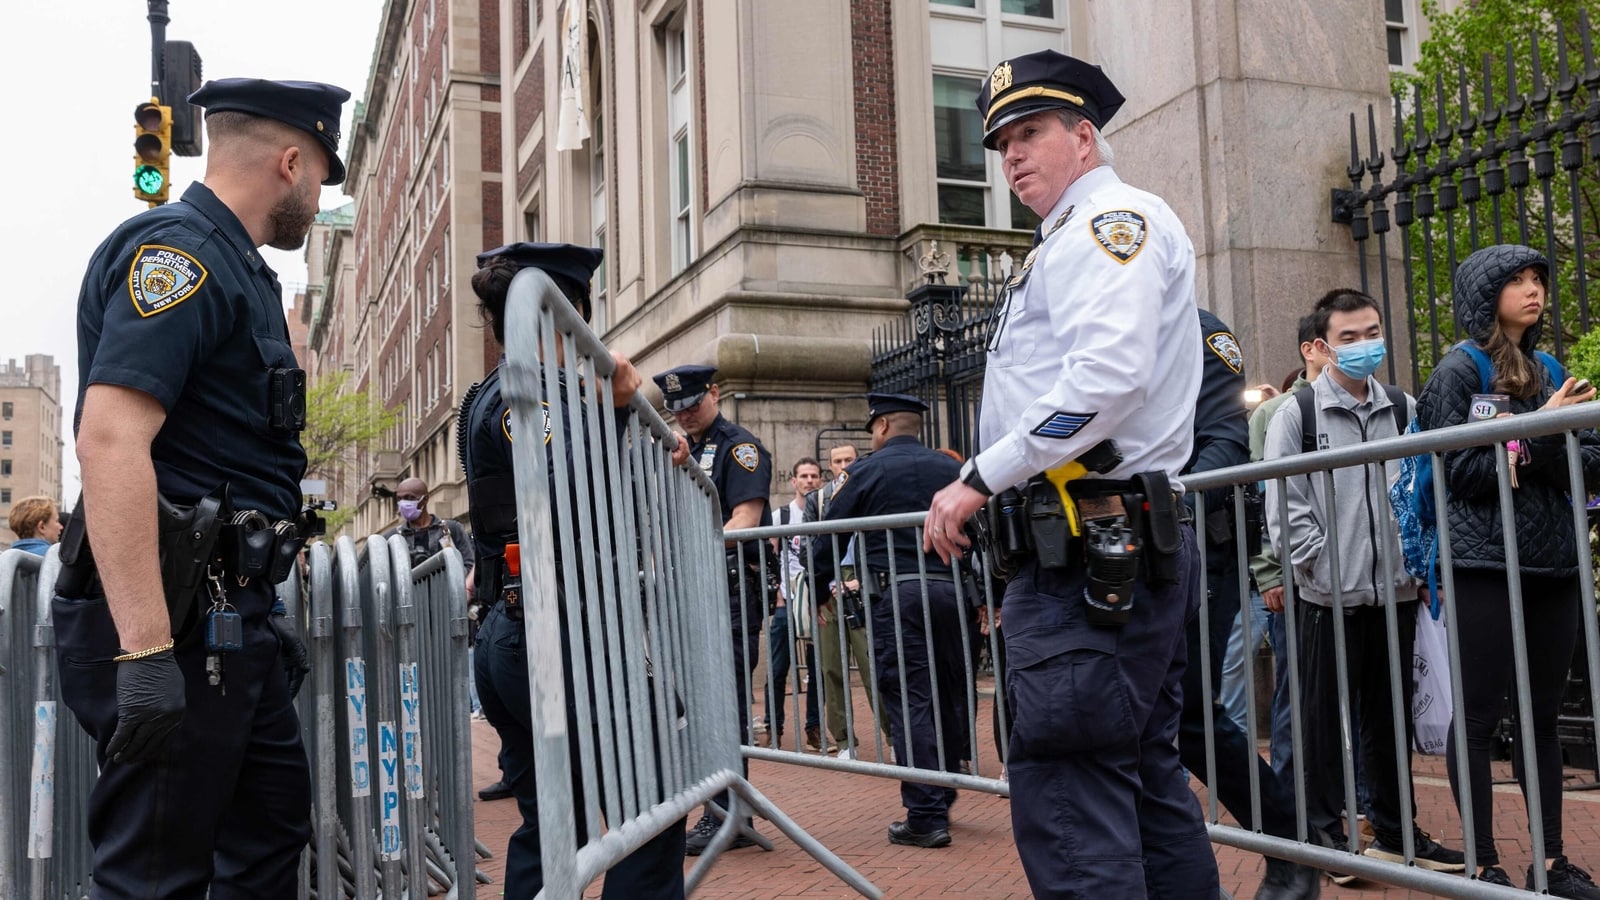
x=158, y=41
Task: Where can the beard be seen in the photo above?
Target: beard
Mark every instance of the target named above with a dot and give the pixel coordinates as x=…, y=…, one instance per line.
x=291, y=219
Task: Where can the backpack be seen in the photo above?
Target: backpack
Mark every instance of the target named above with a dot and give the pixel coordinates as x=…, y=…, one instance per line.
x=1411, y=495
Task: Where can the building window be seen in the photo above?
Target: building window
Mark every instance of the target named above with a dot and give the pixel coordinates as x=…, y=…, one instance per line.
x=1397, y=20
x=681, y=194
x=7, y=409
x=1044, y=9
x=5, y=496
x=5, y=467
x=958, y=140
x=597, y=218
x=5, y=438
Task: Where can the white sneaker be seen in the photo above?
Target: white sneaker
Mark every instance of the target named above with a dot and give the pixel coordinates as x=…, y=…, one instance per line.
x=847, y=753
x=478, y=716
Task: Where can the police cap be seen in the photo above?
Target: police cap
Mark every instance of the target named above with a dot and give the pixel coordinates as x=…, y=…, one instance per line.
x=567, y=260
x=1027, y=84
x=683, y=387
x=883, y=404
x=310, y=106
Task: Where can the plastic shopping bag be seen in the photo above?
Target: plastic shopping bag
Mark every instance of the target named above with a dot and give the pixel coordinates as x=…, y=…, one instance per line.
x=1431, y=703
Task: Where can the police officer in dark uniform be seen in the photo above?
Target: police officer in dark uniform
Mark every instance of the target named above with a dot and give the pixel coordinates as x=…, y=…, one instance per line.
x=1089, y=396
x=1222, y=439
x=924, y=669
x=189, y=387
x=485, y=432
x=741, y=468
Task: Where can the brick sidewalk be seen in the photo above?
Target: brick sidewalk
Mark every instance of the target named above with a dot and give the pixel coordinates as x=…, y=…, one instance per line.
x=849, y=814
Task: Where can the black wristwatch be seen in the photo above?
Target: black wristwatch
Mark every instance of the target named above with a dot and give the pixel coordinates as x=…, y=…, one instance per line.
x=971, y=478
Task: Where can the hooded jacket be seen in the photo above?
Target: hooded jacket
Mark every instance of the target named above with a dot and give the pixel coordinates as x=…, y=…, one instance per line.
x=1361, y=509
x=1540, y=503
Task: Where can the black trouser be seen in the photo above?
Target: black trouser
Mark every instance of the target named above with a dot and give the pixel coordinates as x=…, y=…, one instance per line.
x=919, y=674
x=1550, y=614
x=745, y=613
x=1235, y=750
x=229, y=808
x=652, y=872
x=1367, y=649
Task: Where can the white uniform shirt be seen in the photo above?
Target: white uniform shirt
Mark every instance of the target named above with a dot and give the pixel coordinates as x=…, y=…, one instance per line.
x=1100, y=339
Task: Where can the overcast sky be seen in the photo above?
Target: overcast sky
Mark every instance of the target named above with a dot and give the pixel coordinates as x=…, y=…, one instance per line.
x=77, y=69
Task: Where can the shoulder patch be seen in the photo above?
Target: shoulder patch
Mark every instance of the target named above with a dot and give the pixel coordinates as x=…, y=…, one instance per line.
x=1225, y=345
x=1062, y=425
x=841, y=481
x=1120, y=233
x=161, y=278
x=747, y=456
x=505, y=423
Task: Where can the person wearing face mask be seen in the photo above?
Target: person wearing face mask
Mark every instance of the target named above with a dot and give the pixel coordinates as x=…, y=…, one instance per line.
x=1346, y=405
x=426, y=533
x=1500, y=295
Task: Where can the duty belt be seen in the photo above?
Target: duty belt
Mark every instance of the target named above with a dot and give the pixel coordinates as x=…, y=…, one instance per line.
x=883, y=580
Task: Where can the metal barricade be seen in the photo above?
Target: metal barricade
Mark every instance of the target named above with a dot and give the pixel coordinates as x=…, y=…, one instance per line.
x=629, y=545
x=47, y=762
x=839, y=643
x=1319, y=467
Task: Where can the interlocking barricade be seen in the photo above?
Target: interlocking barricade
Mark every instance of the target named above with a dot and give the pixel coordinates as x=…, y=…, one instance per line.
x=385, y=721
x=948, y=683
x=629, y=546
x=47, y=765
x=1318, y=468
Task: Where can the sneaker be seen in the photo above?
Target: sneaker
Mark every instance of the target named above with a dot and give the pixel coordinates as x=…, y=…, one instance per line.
x=1287, y=881
x=1495, y=875
x=1567, y=880
x=901, y=833
x=1334, y=842
x=699, y=837
x=478, y=716
x=1430, y=854
x=814, y=738
x=848, y=753
x=497, y=791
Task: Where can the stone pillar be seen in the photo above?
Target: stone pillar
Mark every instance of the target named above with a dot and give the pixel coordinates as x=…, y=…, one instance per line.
x=1237, y=115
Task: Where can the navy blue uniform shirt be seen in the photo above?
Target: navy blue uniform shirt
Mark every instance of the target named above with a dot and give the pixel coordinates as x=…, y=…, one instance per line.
x=737, y=464
x=900, y=477
x=178, y=303
x=1221, y=423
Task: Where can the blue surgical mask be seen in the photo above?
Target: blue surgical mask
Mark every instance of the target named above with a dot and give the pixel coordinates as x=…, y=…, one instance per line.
x=1360, y=359
x=409, y=509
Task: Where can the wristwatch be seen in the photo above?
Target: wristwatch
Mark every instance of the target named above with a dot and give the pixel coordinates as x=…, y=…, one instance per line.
x=971, y=478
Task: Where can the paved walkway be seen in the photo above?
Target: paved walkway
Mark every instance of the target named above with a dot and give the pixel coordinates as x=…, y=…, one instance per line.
x=849, y=814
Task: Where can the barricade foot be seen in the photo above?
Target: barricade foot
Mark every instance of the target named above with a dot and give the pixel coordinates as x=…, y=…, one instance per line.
x=743, y=792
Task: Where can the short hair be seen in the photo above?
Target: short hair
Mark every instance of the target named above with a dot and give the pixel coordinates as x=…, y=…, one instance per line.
x=804, y=461
x=844, y=446
x=30, y=514
x=1102, y=147
x=1339, y=300
x=1308, y=328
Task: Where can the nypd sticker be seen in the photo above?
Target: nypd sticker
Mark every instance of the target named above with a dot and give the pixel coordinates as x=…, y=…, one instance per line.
x=747, y=456
x=1225, y=345
x=1120, y=233
x=162, y=277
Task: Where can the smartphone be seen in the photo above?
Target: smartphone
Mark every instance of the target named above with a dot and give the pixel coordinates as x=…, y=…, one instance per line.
x=1582, y=387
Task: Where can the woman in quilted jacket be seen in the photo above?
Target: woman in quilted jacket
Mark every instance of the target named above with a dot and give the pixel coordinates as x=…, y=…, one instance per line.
x=1500, y=296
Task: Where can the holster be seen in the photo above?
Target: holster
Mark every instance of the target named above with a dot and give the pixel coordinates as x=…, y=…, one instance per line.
x=1162, y=524
x=187, y=539
x=77, y=578
x=1007, y=540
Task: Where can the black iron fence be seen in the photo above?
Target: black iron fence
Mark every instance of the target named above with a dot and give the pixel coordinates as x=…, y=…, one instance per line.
x=937, y=351
x=1502, y=155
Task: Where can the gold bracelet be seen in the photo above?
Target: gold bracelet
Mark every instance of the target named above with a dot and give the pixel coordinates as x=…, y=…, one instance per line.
x=144, y=654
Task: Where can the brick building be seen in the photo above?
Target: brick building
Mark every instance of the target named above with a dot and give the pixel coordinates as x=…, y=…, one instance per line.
x=766, y=177
x=30, y=433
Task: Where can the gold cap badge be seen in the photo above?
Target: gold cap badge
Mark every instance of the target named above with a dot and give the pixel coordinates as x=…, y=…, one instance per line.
x=1000, y=79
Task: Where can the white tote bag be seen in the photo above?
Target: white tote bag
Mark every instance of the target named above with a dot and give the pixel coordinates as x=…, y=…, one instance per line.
x=1431, y=703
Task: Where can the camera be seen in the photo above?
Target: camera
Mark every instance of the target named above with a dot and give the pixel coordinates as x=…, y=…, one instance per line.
x=286, y=399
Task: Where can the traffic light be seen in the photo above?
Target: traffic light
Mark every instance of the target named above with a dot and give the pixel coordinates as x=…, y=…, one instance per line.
x=152, y=151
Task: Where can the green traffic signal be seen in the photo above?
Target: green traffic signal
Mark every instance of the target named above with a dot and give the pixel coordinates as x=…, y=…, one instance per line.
x=148, y=179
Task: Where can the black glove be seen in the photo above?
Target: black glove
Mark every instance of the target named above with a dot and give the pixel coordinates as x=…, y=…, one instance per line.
x=150, y=706
x=296, y=662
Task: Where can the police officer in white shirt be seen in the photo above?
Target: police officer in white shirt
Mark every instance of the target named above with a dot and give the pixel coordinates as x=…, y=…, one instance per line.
x=1094, y=359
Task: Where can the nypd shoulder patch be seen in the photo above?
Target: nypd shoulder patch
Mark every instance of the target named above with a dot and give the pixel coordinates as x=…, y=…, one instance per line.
x=162, y=277
x=1120, y=233
x=1062, y=425
x=505, y=423
x=747, y=455
x=1226, y=346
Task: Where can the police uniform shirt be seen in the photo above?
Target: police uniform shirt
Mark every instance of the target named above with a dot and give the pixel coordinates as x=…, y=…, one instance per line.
x=177, y=303
x=737, y=464
x=1097, y=339
x=1221, y=424
x=900, y=477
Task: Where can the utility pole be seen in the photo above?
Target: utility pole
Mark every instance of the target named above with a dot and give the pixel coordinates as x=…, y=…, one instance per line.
x=158, y=42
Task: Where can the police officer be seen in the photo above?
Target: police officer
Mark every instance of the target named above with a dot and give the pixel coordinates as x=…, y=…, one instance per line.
x=923, y=668
x=741, y=468
x=1094, y=358
x=485, y=435
x=188, y=386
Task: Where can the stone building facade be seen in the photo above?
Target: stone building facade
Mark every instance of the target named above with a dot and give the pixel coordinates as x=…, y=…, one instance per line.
x=765, y=177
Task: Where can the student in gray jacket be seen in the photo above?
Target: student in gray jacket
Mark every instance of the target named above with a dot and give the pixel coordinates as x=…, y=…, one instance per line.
x=1350, y=407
